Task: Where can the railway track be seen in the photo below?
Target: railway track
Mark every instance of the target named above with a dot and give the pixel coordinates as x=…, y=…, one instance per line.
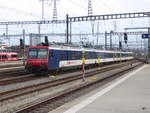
x=38, y=106
x=10, y=94
x=21, y=76
x=10, y=64
x=52, y=83
x=17, y=79
x=11, y=71
x=17, y=76
x=8, y=75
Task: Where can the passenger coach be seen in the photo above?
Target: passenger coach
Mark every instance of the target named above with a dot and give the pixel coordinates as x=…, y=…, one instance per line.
x=42, y=58
x=8, y=56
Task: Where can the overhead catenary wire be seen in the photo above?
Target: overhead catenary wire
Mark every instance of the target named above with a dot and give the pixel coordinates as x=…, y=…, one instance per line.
x=105, y=5
x=78, y=5
x=19, y=11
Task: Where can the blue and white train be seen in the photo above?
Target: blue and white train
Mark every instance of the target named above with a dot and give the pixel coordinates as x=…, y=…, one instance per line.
x=41, y=58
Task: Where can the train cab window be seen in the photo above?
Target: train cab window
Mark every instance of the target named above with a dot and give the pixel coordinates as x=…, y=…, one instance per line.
x=33, y=53
x=37, y=53
x=42, y=53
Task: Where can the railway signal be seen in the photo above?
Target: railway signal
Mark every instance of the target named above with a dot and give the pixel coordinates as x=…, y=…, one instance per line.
x=46, y=41
x=21, y=43
x=145, y=36
x=120, y=45
x=125, y=37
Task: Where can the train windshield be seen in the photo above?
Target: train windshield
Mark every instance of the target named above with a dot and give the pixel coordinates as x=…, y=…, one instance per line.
x=37, y=53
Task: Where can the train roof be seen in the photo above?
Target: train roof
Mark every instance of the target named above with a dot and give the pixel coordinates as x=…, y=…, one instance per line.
x=87, y=49
x=67, y=48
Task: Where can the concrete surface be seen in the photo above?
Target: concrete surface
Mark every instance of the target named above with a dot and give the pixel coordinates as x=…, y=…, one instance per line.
x=130, y=96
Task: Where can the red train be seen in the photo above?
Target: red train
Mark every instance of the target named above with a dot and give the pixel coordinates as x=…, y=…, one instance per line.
x=44, y=58
x=8, y=56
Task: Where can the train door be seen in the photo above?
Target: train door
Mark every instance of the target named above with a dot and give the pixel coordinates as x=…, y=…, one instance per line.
x=53, y=59
x=57, y=58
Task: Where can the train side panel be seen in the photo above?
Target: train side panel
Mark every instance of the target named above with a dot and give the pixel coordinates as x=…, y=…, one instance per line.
x=70, y=58
x=55, y=58
x=8, y=56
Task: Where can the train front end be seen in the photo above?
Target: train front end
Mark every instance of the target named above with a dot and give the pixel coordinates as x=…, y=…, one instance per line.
x=37, y=59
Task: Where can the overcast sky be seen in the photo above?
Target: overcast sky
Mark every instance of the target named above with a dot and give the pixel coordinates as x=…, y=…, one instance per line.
x=22, y=9
x=19, y=10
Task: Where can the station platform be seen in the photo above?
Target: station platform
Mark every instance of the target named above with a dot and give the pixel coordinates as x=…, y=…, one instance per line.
x=127, y=94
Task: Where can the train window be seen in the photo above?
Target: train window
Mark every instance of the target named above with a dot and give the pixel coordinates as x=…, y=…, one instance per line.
x=90, y=55
x=37, y=53
x=42, y=53
x=33, y=53
x=51, y=54
x=124, y=54
x=69, y=55
x=72, y=55
x=106, y=55
x=101, y=54
x=63, y=55
x=118, y=55
x=79, y=54
x=13, y=56
x=93, y=55
x=114, y=55
x=121, y=55
x=109, y=55
x=87, y=55
x=3, y=56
